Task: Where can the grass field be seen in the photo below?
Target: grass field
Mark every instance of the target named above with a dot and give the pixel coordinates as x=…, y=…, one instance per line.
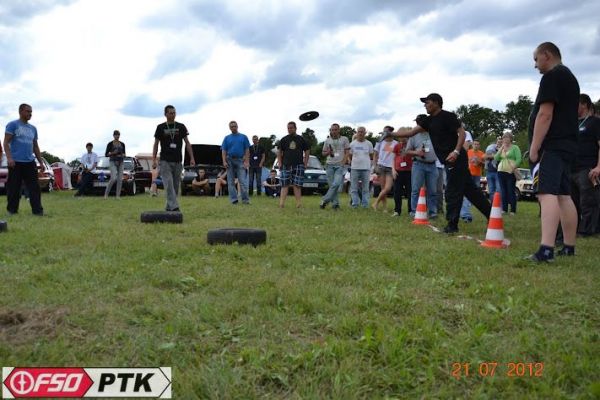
x=348, y=304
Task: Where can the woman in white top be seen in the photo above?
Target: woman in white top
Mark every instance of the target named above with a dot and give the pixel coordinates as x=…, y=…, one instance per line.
x=384, y=164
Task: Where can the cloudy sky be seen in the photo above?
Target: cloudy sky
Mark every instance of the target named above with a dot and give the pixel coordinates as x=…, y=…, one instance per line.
x=91, y=66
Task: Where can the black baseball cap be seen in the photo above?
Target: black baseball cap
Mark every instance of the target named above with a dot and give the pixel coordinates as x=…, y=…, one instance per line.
x=433, y=97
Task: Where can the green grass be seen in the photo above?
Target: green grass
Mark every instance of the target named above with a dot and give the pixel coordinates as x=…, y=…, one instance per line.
x=348, y=304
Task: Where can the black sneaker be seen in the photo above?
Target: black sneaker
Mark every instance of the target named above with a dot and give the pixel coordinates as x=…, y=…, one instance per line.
x=450, y=229
x=322, y=205
x=336, y=207
x=537, y=258
x=566, y=251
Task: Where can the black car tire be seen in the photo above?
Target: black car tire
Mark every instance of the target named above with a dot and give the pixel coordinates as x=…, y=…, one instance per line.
x=174, y=217
x=3, y=226
x=237, y=235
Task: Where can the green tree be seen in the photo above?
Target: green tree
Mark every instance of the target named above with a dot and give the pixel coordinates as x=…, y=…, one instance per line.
x=347, y=131
x=481, y=121
x=516, y=115
x=51, y=158
x=268, y=143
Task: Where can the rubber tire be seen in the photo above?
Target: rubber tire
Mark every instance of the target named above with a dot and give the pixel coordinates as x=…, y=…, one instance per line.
x=237, y=235
x=174, y=217
x=3, y=226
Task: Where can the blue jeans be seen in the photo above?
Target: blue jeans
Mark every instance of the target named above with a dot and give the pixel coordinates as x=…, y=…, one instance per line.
x=362, y=176
x=236, y=170
x=493, y=184
x=465, y=210
x=427, y=174
x=507, y=185
x=335, y=178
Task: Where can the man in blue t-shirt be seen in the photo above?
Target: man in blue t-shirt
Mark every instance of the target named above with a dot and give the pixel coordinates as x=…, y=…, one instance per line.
x=20, y=145
x=235, y=151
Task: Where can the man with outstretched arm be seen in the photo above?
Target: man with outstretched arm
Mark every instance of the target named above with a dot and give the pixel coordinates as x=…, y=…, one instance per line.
x=448, y=136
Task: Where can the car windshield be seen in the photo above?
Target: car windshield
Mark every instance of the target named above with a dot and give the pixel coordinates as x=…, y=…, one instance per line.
x=104, y=163
x=314, y=163
x=525, y=173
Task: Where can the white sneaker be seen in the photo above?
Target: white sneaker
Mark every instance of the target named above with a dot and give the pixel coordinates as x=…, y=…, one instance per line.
x=395, y=214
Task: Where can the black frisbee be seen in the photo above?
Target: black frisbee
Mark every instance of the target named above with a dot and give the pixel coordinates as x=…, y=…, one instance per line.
x=309, y=116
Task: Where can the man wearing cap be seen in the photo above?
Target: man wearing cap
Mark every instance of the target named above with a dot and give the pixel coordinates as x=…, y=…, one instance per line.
x=553, y=127
x=448, y=136
x=424, y=171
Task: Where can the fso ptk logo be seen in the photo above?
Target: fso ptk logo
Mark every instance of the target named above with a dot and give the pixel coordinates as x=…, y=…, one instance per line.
x=27, y=383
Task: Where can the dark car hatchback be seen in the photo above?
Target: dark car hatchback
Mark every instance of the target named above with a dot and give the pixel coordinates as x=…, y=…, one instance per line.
x=207, y=157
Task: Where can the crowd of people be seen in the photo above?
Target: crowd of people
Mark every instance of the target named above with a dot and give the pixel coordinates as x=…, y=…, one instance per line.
x=437, y=154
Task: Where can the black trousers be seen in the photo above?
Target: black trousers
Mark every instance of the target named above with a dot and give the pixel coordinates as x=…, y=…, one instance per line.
x=586, y=197
x=402, y=187
x=23, y=172
x=459, y=184
x=85, y=182
x=255, y=172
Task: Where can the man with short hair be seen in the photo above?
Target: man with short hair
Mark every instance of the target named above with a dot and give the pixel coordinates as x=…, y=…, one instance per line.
x=336, y=149
x=20, y=146
x=171, y=135
x=292, y=158
x=89, y=160
x=424, y=170
x=257, y=160
x=491, y=167
x=553, y=146
x=235, y=151
x=361, y=153
x=475, y=157
x=585, y=185
x=447, y=136
x=272, y=185
x=200, y=184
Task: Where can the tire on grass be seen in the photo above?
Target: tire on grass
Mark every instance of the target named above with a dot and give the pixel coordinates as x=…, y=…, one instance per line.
x=3, y=226
x=237, y=235
x=174, y=217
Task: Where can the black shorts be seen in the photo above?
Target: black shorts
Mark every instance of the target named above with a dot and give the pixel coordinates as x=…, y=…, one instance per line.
x=554, y=173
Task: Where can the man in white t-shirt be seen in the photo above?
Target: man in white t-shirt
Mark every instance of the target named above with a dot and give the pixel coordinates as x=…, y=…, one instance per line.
x=336, y=149
x=361, y=152
x=89, y=160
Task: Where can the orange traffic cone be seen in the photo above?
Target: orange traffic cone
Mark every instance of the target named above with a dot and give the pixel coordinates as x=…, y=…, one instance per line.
x=494, y=238
x=421, y=214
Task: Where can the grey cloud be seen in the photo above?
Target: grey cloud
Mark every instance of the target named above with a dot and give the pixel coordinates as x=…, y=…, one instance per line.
x=177, y=60
x=367, y=105
x=16, y=11
x=287, y=71
x=145, y=106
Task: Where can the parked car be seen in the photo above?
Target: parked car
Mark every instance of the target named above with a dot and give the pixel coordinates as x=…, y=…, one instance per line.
x=524, y=186
x=144, y=175
x=45, y=175
x=315, y=177
x=132, y=180
x=207, y=157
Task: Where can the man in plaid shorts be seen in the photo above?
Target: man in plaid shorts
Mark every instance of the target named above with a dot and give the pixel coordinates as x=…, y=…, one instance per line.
x=292, y=157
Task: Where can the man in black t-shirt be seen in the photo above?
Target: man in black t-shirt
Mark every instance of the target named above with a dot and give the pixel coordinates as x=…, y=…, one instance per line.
x=171, y=135
x=257, y=160
x=585, y=188
x=292, y=158
x=447, y=136
x=553, y=144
